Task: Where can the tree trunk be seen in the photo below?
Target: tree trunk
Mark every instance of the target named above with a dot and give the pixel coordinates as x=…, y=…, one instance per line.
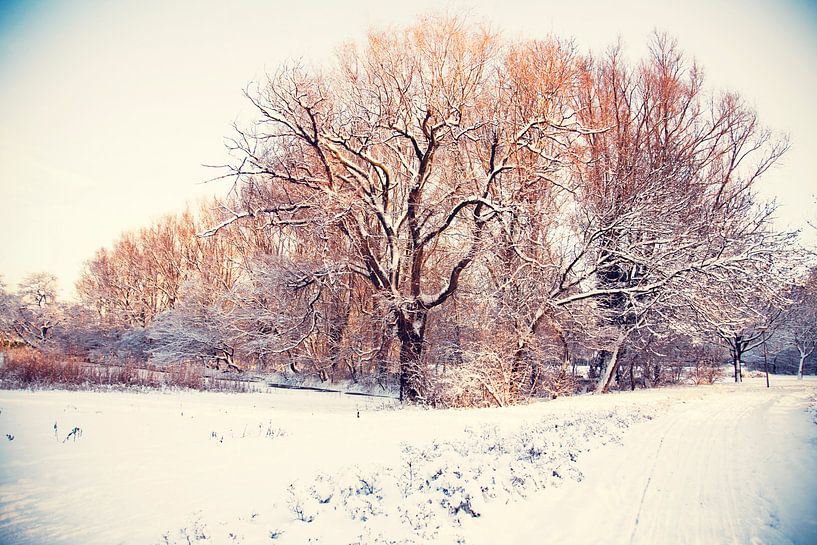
x=566, y=363
x=457, y=336
x=382, y=355
x=737, y=353
x=766, y=363
x=411, y=324
x=597, y=364
x=352, y=371
x=519, y=357
x=337, y=329
x=411, y=348
x=801, y=366
x=607, y=377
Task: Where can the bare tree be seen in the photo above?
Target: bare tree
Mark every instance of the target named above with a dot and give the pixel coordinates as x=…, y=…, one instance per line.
x=37, y=311
x=403, y=149
x=141, y=275
x=196, y=330
x=8, y=312
x=800, y=320
x=278, y=311
x=272, y=312
x=662, y=200
x=742, y=314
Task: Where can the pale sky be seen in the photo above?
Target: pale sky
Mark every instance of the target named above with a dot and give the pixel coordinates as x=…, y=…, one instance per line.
x=109, y=109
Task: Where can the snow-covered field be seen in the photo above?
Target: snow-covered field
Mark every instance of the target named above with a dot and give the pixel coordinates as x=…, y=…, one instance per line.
x=706, y=465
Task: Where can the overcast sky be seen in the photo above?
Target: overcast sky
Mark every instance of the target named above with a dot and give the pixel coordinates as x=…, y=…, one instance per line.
x=109, y=109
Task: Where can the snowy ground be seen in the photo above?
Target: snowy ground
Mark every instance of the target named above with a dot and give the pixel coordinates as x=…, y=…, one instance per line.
x=707, y=465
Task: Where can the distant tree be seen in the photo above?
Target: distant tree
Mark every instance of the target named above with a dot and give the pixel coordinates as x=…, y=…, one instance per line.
x=195, y=330
x=659, y=201
x=276, y=312
x=742, y=315
x=800, y=320
x=38, y=289
x=141, y=275
x=37, y=309
x=8, y=312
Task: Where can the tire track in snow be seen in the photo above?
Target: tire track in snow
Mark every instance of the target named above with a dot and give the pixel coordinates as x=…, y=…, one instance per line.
x=696, y=489
x=710, y=471
x=649, y=481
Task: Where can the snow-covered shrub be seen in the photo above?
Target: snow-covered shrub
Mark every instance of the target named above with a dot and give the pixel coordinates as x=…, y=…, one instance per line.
x=196, y=532
x=27, y=368
x=483, y=375
x=554, y=381
x=437, y=487
x=185, y=375
x=302, y=504
x=706, y=371
x=362, y=496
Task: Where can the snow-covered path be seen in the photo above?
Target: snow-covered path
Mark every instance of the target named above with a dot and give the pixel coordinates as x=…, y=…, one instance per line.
x=738, y=468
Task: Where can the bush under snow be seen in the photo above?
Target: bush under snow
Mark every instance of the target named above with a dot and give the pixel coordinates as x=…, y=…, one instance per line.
x=431, y=494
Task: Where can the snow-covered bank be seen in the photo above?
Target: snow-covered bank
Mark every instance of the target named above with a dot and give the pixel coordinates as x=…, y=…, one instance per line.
x=287, y=467
x=739, y=467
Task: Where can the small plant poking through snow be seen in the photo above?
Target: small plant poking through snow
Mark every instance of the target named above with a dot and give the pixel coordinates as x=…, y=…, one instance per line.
x=273, y=432
x=437, y=487
x=299, y=507
x=197, y=532
x=264, y=430
x=74, y=434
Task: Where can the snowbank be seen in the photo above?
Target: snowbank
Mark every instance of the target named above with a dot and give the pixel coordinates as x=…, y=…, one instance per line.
x=305, y=467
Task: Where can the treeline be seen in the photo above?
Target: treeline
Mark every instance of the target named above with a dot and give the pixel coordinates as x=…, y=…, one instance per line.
x=466, y=219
